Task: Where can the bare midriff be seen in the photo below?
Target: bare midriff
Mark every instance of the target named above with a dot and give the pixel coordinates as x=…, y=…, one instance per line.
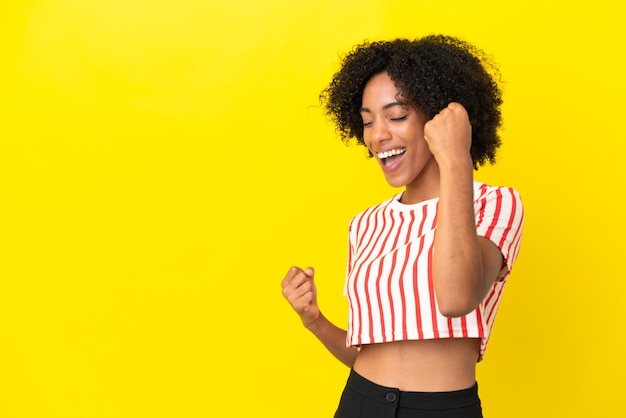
x=421, y=366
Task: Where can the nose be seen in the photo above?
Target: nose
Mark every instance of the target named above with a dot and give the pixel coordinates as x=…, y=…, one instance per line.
x=379, y=133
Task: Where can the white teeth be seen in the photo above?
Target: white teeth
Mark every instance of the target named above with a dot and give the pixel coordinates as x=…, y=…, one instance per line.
x=390, y=153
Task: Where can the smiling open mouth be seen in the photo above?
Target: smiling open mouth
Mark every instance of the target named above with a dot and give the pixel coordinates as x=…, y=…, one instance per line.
x=389, y=157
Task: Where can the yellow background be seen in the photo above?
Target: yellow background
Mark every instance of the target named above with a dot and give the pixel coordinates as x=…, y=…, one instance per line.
x=162, y=164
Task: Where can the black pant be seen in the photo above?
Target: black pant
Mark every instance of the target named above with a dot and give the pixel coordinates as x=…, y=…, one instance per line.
x=364, y=399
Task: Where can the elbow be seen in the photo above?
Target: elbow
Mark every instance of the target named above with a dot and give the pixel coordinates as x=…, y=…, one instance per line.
x=350, y=357
x=459, y=295
x=455, y=307
x=455, y=312
x=348, y=363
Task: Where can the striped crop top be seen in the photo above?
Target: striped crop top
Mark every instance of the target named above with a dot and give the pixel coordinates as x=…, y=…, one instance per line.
x=389, y=287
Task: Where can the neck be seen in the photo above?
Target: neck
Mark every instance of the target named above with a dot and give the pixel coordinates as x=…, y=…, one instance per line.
x=424, y=187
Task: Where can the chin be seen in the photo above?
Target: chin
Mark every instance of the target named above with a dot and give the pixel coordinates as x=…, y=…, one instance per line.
x=396, y=183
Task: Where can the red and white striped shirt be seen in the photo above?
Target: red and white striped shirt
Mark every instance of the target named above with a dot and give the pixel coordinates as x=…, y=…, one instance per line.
x=389, y=282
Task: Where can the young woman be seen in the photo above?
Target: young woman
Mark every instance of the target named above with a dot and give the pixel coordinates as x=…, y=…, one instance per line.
x=426, y=268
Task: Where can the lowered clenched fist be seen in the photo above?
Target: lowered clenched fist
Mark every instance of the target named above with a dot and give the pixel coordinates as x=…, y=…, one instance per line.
x=299, y=289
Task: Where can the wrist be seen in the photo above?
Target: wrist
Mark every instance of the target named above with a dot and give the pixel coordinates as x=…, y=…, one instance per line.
x=312, y=323
x=456, y=180
x=460, y=165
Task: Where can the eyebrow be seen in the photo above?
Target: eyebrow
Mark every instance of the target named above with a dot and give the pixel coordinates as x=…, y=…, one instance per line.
x=385, y=107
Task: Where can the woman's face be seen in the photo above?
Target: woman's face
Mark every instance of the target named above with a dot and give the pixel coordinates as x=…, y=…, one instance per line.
x=393, y=130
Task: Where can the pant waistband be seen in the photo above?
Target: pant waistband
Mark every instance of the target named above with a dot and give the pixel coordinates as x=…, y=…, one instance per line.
x=417, y=400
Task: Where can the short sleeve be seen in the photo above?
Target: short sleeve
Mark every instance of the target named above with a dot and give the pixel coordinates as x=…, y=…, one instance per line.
x=500, y=218
x=350, y=257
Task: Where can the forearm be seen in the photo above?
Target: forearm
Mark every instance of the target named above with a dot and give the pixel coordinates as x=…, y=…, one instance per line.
x=334, y=339
x=457, y=262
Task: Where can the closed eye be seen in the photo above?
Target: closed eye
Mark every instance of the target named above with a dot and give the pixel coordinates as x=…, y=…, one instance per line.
x=400, y=118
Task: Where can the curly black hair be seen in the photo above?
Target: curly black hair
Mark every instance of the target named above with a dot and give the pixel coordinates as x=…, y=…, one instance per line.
x=430, y=73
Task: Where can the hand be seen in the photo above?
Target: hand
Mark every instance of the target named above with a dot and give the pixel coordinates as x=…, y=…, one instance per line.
x=299, y=289
x=449, y=135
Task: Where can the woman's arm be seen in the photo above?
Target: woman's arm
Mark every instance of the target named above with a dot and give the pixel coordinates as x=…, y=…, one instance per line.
x=464, y=264
x=299, y=289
